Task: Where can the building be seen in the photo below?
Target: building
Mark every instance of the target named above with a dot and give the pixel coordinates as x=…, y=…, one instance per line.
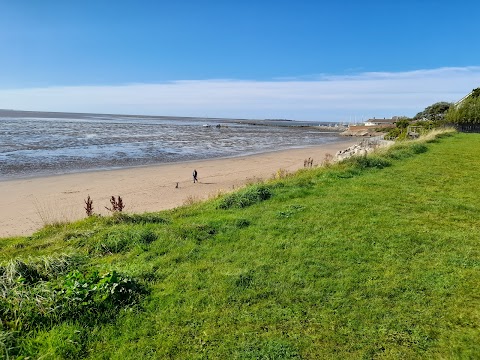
x=381, y=122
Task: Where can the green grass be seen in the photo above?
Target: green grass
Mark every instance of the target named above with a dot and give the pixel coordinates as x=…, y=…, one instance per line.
x=375, y=257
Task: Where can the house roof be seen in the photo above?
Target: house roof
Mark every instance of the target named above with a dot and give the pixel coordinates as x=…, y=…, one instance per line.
x=382, y=121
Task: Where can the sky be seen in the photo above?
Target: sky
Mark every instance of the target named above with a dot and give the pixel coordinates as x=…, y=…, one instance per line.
x=343, y=60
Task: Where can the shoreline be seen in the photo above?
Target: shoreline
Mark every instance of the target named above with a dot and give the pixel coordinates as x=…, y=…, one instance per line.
x=129, y=167
x=30, y=203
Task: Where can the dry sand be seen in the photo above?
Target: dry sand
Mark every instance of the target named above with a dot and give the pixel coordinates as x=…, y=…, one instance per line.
x=29, y=204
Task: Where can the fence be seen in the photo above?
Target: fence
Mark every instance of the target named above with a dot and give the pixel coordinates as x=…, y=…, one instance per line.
x=467, y=128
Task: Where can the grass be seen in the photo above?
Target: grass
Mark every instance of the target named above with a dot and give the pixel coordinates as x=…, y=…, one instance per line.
x=374, y=257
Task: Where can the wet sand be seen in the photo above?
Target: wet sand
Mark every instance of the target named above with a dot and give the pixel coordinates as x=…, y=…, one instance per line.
x=29, y=204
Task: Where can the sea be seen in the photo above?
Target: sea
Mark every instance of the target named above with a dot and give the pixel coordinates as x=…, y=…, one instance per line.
x=34, y=144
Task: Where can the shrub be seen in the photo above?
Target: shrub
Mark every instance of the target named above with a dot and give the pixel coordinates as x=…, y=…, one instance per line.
x=86, y=294
x=246, y=197
x=87, y=297
x=365, y=162
x=393, y=133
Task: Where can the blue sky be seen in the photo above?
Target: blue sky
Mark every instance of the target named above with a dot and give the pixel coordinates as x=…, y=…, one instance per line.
x=306, y=60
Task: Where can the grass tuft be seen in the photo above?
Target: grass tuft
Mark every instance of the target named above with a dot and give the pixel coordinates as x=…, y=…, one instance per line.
x=245, y=197
x=121, y=239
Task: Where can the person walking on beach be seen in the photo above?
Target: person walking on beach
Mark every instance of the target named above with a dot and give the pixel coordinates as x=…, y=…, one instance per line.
x=195, y=176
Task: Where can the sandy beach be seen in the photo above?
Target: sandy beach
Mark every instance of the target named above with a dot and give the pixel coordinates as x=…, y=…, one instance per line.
x=29, y=204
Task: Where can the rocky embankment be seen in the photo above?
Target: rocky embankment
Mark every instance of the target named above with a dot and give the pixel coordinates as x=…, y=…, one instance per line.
x=363, y=148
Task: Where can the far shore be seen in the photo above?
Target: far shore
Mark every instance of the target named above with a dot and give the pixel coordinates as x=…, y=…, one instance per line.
x=29, y=204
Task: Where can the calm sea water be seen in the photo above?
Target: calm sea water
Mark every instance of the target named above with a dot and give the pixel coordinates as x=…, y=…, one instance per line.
x=39, y=144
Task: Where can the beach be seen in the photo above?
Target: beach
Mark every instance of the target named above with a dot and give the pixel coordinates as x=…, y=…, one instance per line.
x=29, y=204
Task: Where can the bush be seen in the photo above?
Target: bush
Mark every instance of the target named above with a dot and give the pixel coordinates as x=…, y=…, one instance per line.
x=365, y=162
x=41, y=293
x=87, y=297
x=249, y=196
x=87, y=294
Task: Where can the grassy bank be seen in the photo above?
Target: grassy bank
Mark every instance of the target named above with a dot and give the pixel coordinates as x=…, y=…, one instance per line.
x=373, y=257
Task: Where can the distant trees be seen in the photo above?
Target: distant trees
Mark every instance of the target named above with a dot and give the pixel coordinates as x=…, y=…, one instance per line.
x=464, y=115
x=434, y=112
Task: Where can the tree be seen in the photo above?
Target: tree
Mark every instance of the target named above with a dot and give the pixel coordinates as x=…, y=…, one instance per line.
x=434, y=112
x=402, y=123
x=475, y=93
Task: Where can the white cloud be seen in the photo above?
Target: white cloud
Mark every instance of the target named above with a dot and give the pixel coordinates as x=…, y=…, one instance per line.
x=327, y=98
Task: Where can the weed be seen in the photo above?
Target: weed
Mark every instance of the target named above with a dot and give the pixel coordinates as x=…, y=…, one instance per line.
x=36, y=298
x=280, y=174
x=308, y=163
x=117, y=205
x=191, y=200
x=327, y=160
x=88, y=206
x=93, y=294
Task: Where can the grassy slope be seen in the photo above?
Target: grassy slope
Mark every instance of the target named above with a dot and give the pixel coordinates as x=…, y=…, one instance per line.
x=338, y=263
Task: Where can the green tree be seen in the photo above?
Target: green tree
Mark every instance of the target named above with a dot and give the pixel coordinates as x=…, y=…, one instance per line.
x=402, y=123
x=400, y=129
x=476, y=93
x=434, y=112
